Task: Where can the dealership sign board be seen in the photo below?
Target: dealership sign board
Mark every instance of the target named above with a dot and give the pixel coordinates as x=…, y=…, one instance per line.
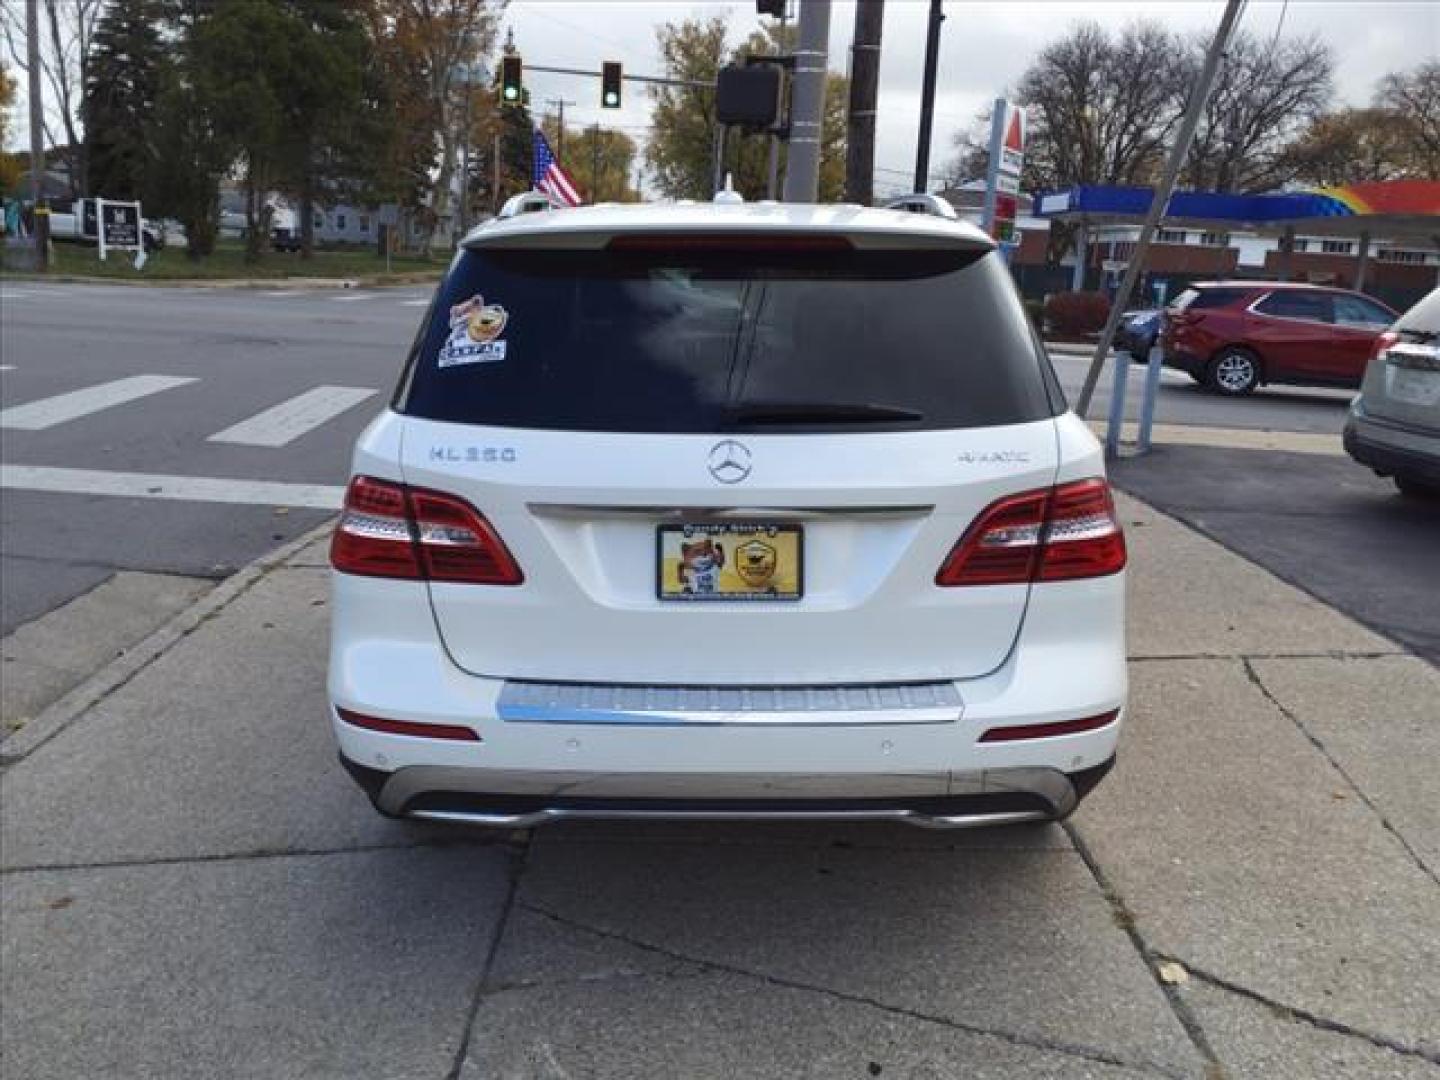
x=1002, y=179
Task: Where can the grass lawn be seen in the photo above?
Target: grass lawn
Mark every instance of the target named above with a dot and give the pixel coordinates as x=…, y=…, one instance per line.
x=228, y=262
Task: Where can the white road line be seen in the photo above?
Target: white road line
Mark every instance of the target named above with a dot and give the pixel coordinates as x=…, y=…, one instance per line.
x=349, y=298
x=289, y=420
x=414, y=303
x=154, y=486
x=47, y=412
x=282, y=293
x=7, y=367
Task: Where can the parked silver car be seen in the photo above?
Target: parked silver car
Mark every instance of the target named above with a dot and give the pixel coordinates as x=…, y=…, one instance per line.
x=1394, y=424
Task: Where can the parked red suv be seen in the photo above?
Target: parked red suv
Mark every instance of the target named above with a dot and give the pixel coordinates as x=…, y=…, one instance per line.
x=1234, y=335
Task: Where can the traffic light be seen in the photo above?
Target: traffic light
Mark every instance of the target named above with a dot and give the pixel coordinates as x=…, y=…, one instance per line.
x=610, y=80
x=510, y=71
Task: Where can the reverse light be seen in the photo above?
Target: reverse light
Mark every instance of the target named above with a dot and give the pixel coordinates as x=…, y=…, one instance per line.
x=395, y=531
x=1062, y=533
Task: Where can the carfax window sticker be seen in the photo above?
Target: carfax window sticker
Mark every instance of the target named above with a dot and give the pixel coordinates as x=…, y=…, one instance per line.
x=475, y=329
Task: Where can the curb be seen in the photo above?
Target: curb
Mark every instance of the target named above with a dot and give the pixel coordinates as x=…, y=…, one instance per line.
x=58, y=716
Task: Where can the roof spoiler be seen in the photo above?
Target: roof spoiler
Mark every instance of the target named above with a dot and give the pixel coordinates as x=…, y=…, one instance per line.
x=922, y=202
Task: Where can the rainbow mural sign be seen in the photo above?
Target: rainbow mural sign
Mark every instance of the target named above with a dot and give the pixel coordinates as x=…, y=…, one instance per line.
x=1392, y=198
x=1411, y=197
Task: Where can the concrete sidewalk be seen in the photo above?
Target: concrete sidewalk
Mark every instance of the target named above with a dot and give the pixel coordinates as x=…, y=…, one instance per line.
x=192, y=888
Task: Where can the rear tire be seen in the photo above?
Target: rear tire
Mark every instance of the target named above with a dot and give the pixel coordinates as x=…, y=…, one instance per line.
x=1416, y=489
x=1234, y=372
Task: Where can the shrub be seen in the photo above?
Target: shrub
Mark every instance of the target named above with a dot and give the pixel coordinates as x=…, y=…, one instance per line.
x=1076, y=312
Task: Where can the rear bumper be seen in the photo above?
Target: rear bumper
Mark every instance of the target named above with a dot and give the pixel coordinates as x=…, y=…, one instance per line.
x=1393, y=450
x=518, y=799
x=922, y=762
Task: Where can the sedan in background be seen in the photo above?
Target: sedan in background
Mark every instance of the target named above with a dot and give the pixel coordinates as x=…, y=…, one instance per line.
x=1232, y=336
x=1138, y=331
x=1394, y=425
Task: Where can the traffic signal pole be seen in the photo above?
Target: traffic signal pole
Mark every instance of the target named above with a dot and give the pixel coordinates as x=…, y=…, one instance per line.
x=864, y=88
x=802, y=167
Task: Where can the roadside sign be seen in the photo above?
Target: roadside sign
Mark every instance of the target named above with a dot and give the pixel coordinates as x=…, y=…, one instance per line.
x=120, y=227
x=1002, y=177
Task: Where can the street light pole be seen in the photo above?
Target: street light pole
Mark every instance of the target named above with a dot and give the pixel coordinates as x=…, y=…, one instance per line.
x=864, y=88
x=802, y=166
x=927, y=98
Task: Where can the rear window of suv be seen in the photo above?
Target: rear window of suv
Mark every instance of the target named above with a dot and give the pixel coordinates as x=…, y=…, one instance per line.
x=705, y=341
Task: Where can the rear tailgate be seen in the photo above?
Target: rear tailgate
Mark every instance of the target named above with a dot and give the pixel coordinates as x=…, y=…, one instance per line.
x=878, y=514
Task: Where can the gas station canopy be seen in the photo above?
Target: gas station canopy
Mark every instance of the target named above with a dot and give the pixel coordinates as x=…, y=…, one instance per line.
x=1394, y=209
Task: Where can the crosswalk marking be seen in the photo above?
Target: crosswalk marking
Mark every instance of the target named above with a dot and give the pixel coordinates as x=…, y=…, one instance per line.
x=157, y=486
x=286, y=422
x=47, y=412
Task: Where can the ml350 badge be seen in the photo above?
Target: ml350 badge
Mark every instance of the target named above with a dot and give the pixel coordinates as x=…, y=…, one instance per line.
x=730, y=562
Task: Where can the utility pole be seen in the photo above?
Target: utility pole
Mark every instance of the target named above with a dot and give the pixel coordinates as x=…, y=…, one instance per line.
x=802, y=168
x=560, y=104
x=495, y=173
x=1199, y=94
x=864, y=88
x=595, y=163
x=927, y=98
x=772, y=185
x=40, y=214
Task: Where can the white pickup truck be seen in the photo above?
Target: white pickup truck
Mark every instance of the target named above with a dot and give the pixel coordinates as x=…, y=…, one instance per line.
x=70, y=223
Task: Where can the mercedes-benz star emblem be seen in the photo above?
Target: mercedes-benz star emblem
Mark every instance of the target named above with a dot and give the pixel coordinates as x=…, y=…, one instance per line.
x=729, y=461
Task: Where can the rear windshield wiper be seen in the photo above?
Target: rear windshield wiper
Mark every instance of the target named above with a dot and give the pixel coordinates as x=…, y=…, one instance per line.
x=819, y=412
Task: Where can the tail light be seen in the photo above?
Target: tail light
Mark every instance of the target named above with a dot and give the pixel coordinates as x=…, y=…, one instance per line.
x=391, y=530
x=1051, y=534
x=1383, y=343
x=1047, y=731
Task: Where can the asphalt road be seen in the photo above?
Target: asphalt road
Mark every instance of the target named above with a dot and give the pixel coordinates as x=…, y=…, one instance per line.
x=230, y=356
x=1325, y=524
x=246, y=352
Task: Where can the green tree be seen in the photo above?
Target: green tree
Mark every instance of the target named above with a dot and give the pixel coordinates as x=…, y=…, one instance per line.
x=330, y=119
x=196, y=151
x=122, y=88
x=681, y=149
x=682, y=124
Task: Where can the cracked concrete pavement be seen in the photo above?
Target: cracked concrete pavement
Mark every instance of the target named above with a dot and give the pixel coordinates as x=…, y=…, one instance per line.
x=191, y=886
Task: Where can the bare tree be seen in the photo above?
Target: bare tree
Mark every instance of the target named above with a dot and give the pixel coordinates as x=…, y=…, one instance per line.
x=1415, y=96
x=1266, y=94
x=66, y=30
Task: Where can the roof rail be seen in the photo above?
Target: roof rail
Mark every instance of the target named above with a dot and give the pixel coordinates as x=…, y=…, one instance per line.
x=528, y=202
x=922, y=202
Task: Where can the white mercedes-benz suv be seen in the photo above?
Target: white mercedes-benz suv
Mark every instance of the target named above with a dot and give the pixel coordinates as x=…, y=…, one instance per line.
x=727, y=511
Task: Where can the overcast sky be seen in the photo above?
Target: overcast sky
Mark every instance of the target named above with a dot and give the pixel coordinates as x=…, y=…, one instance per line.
x=985, y=45
x=984, y=48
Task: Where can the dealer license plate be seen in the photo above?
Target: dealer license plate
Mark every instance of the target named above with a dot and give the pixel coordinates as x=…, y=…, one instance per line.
x=730, y=561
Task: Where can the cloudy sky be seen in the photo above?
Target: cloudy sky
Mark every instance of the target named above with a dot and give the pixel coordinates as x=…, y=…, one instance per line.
x=984, y=48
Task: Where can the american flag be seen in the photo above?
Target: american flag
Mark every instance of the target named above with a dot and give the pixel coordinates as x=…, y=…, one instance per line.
x=550, y=177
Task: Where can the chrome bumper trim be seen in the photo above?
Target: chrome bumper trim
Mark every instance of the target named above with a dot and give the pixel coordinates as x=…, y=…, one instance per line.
x=868, y=794
x=602, y=703
x=905, y=817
